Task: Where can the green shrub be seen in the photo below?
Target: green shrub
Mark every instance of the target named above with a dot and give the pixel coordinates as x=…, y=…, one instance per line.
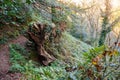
x=13, y=12
x=100, y=63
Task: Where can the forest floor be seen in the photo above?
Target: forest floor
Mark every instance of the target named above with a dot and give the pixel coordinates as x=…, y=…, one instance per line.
x=5, y=59
x=10, y=36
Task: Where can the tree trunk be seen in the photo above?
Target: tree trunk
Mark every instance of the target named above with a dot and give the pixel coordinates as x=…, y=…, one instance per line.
x=105, y=29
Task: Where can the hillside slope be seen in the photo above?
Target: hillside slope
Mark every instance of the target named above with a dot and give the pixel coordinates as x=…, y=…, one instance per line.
x=72, y=51
x=74, y=46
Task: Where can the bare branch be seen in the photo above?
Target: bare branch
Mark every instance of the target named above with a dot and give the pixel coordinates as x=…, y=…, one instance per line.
x=114, y=22
x=110, y=26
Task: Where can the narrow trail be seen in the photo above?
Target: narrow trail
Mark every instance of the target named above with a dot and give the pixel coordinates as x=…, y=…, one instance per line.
x=4, y=59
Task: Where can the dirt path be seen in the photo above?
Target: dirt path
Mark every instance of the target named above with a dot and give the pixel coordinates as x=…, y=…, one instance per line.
x=11, y=76
x=4, y=59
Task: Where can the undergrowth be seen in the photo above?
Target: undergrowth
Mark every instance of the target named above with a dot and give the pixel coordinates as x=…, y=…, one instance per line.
x=16, y=58
x=98, y=63
x=31, y=70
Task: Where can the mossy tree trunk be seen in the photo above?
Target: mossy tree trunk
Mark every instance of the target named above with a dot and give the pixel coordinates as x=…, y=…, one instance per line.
x=105, y=29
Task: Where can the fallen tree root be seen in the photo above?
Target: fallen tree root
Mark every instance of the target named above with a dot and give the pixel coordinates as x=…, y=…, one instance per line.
x=39, y=36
